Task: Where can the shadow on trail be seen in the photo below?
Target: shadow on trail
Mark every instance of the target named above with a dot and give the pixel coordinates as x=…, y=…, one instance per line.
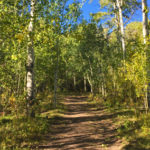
x=82, y=127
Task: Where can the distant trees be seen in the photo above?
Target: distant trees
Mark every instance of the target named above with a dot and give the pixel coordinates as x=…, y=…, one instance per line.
x=45, y=48
x=29, y=49
x=130, y=86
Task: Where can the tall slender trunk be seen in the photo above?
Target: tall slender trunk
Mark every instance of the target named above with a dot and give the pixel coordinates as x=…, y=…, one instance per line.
x=85, y=89
x=116, y=20
x=90, y=79
x=103, y=91
x=145, y=20
x=91, y=84
x=74, y=82
x=145, y=38
x=119, y=5
x=18, y=82
x=30, y=62
x=66, y=80
x=56, y=78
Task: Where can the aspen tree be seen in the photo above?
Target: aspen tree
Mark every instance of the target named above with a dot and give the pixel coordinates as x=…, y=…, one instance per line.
x=30, y=61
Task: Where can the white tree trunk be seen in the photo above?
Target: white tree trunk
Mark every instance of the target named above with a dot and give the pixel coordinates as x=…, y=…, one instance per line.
x=119, y=5
x=102, y=89
x=91, y=85
x=30, y=61
x=145, y=37
x=74, y=82
x=116, y=20
x=145, y=20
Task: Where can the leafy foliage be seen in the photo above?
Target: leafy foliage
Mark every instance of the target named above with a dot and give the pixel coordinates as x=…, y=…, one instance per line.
x=85, y=55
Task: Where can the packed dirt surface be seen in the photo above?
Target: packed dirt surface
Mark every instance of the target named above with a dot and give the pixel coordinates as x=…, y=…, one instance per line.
x=83, y=127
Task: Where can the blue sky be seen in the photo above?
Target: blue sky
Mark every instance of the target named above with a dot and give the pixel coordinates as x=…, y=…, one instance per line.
x=94, y=7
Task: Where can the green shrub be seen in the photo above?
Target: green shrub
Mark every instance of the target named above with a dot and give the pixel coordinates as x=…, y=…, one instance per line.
x=22, y=132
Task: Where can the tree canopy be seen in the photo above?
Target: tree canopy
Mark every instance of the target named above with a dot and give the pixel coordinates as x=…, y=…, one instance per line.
x=48, y=48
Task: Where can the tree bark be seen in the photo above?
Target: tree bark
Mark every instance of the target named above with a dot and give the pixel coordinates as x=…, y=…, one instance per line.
x=116, y=20
x=91, y=85
x=103, y=91
x=145, y=38
x=145, y=20
x=119, y=5
x=56, y=77
x=74, y=82
x=30, y=62
x=85, y=89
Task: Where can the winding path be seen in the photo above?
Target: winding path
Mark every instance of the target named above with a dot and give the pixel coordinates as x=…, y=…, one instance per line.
x=82, y=127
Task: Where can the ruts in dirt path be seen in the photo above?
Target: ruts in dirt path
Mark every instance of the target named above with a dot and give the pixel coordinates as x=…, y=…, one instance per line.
x=82, y=127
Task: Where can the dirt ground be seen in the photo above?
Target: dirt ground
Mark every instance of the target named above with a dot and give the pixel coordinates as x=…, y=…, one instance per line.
x=83, y=127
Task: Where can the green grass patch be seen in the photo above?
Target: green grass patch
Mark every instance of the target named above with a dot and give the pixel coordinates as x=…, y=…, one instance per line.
x=133, y=125
x=135, y=129
x=21, y=133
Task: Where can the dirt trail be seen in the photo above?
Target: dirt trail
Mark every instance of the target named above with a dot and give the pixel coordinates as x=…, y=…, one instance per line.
x=83, y=127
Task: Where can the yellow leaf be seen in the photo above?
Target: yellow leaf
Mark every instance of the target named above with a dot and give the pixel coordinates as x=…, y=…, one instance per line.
x=14, y=57
x=12, y=99
x=19, y=36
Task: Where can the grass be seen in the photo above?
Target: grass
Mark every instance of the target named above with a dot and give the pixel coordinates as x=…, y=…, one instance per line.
x=136, y=130
x=133, y=126
x=20, y=133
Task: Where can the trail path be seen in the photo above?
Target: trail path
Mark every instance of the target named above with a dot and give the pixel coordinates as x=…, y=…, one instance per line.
x=83, y=127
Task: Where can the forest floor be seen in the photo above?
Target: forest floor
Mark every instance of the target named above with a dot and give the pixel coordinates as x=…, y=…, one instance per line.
x=83, y=127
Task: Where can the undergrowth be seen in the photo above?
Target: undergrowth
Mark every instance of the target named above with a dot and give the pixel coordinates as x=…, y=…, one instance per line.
x=135, y=130
x=133, y=124
x=18, y=132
